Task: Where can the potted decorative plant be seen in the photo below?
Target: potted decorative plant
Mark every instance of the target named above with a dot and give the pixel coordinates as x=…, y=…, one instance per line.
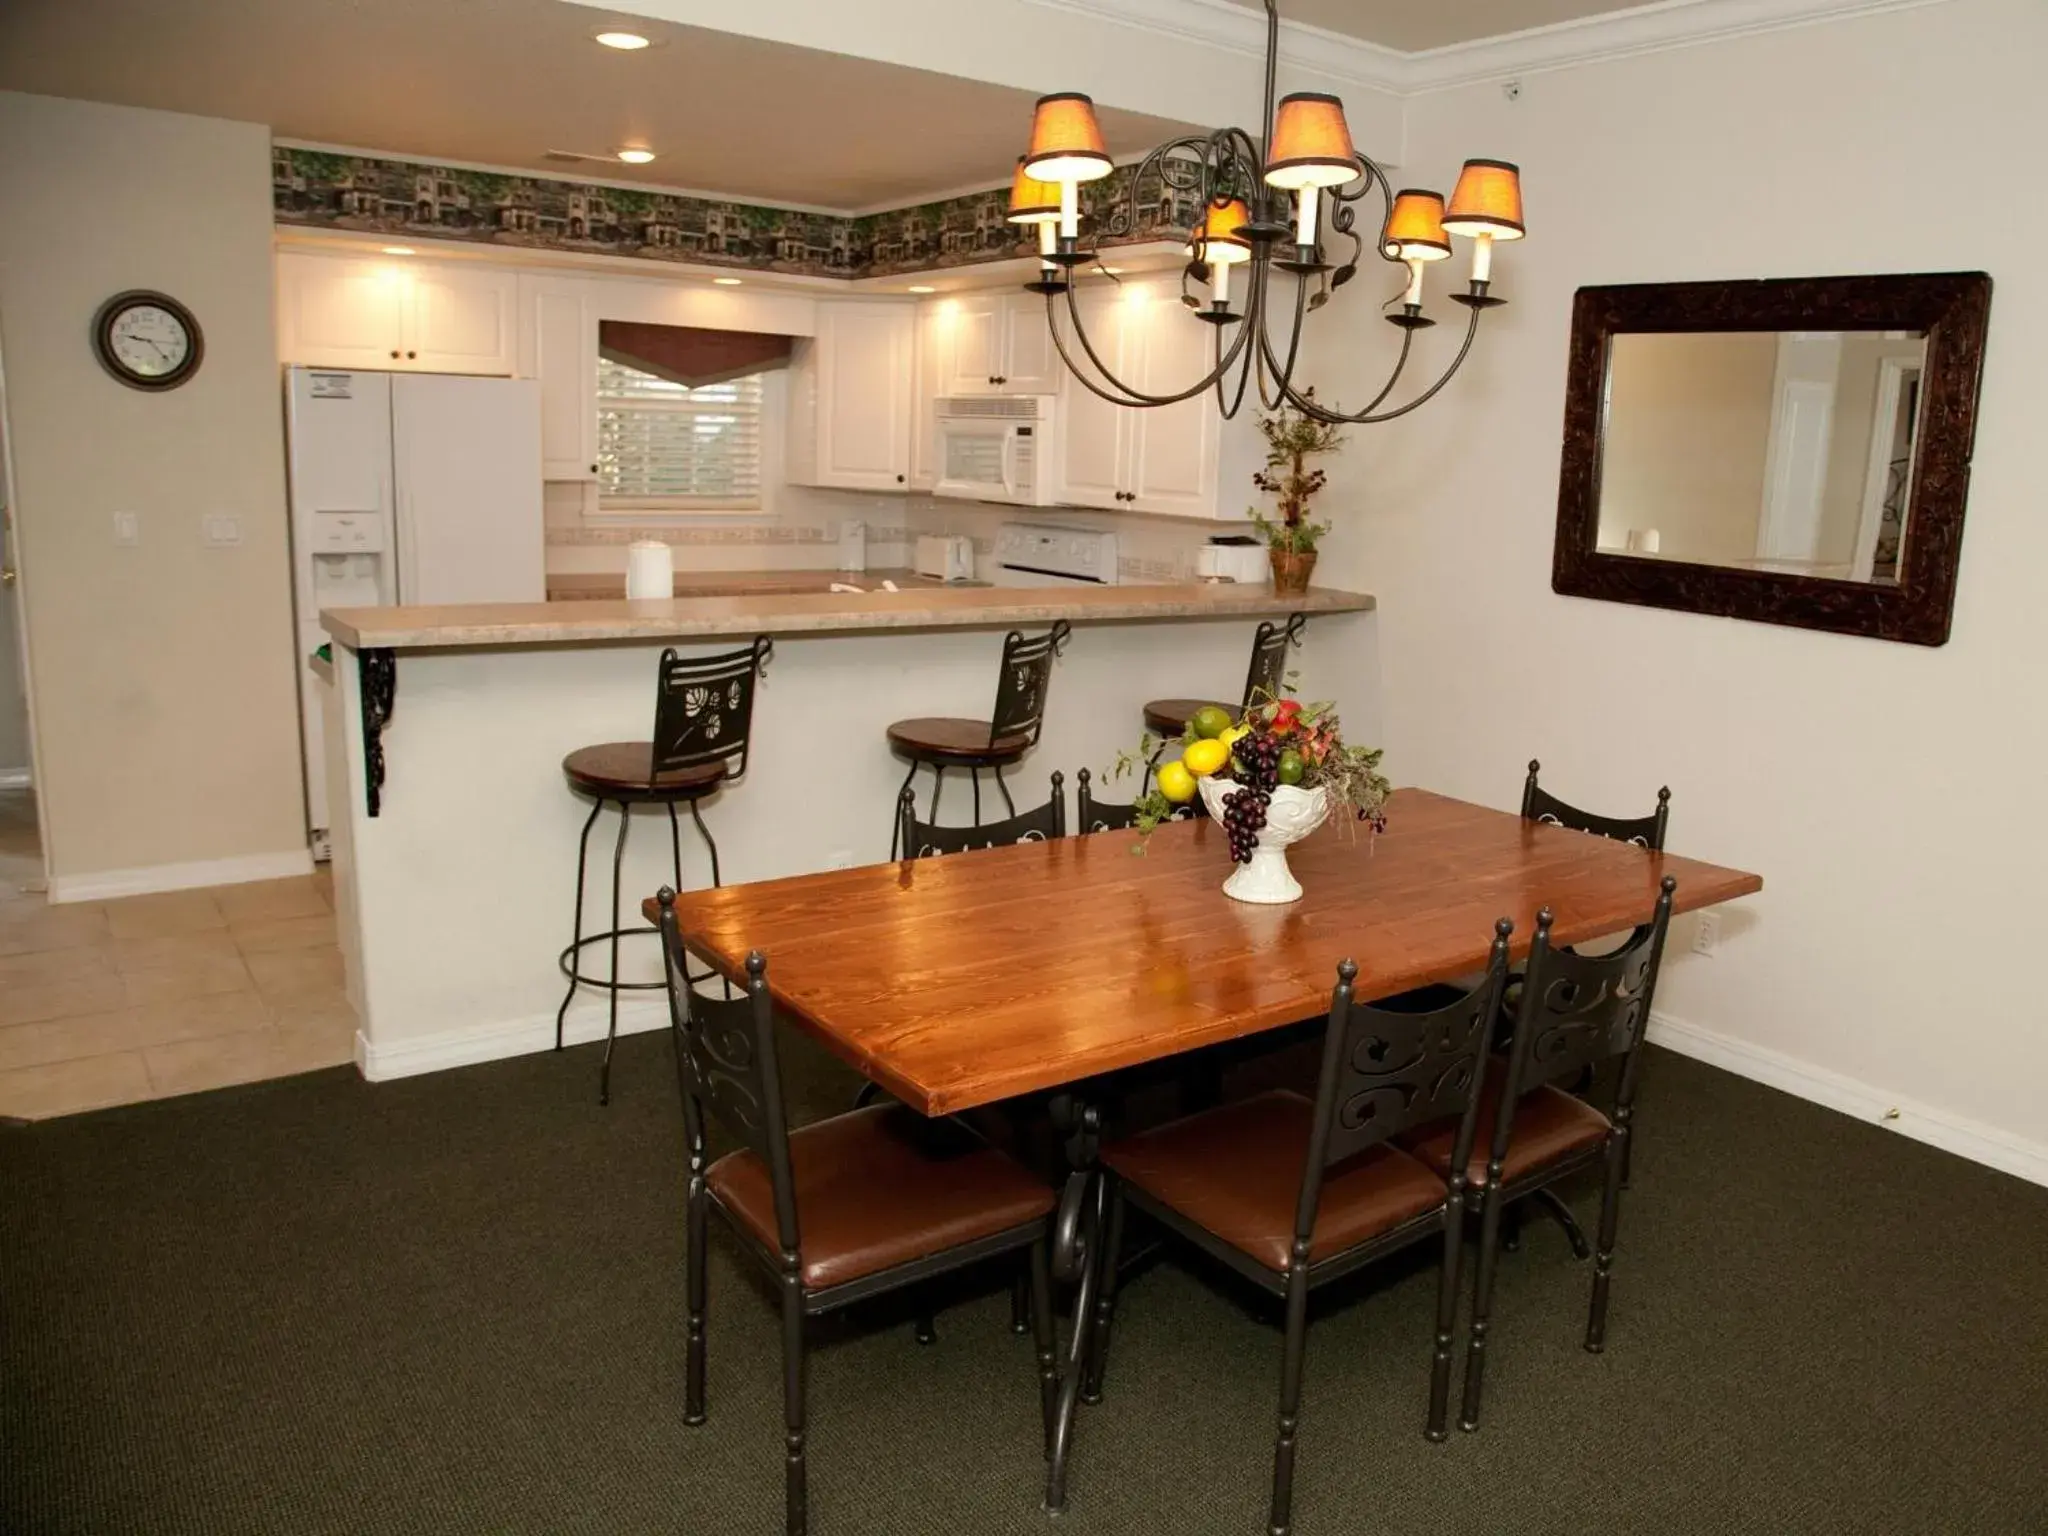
x=1293, y=438
x=1270, y=780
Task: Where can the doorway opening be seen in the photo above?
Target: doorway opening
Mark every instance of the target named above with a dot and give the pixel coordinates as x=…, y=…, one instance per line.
x=22, y=871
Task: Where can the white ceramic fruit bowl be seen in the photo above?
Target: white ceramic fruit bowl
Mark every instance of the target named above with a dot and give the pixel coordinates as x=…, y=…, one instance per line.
x=1292, y=814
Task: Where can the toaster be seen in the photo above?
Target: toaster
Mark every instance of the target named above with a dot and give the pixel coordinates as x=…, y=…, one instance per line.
x=945, y=558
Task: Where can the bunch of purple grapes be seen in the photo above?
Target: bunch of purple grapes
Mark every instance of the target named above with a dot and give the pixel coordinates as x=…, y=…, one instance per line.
x=1257, y=759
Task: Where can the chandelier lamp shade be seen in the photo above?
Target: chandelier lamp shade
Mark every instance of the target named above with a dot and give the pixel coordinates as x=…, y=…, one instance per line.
x=1260, y=205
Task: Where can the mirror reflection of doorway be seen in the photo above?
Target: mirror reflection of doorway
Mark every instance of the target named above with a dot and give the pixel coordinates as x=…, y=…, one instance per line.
x=21, y=851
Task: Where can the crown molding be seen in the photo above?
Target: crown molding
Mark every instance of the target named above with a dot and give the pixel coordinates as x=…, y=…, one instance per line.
x=1624, y=34
x=1642, y=29
x=1220, y=24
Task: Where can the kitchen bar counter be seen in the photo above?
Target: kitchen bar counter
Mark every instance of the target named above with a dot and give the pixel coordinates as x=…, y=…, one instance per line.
x=601, y=586
x=686, y=618
x=456, y=839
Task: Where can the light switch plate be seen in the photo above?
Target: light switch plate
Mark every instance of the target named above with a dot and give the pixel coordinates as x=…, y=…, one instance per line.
x=128, y=528
x=222, y=530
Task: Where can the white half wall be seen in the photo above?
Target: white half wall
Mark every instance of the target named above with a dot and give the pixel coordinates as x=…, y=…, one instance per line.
x=1886, y=793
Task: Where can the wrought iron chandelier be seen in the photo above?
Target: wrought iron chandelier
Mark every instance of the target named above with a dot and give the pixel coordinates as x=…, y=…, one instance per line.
x=1244, y=186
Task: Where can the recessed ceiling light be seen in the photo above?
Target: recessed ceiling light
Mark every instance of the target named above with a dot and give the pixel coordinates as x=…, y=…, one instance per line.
x=398, y=250
x=921, y=288
x=625, y=42
x=726, y=282
x=636, y=156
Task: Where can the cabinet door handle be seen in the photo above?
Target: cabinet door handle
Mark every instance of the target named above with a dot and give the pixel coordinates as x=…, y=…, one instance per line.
x=394, y=351
x=593, y=469
x=1002, y=378
x=412, y=354
x=899, y=479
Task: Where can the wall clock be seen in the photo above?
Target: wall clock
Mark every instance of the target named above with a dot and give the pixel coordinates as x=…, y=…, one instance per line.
x=147, y=340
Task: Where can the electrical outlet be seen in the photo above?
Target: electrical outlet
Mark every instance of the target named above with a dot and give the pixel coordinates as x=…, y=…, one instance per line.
x=840, y=858
x=222, y=530
x=128, y=528
x=1707, y=933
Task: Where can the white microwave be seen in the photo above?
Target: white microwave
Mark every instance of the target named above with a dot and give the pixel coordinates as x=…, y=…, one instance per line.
x=997, y=448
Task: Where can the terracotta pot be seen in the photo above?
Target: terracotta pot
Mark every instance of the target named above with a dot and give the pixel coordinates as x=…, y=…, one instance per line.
x=1291, y=571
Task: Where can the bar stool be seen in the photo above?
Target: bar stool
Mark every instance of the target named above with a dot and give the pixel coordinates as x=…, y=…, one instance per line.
x=1168, y=718
x=942, y=742
x=703, y=714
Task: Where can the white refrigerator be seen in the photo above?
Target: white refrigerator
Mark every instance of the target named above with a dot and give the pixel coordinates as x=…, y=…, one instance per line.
x=411, y=488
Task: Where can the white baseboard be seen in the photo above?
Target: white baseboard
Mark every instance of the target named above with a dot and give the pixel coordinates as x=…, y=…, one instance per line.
x=107, y=884
x=1922, y=1122
x=380, y=1061
x=17, y=778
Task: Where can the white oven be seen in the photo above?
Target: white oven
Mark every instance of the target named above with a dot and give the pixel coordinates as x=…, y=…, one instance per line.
x=1042, y=555
x=996, y=448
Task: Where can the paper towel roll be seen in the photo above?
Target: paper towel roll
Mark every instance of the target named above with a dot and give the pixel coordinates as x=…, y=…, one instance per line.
x=650, y=570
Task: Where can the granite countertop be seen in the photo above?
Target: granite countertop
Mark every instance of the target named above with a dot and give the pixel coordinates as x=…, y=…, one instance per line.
x=688, y=618
x=588, y=586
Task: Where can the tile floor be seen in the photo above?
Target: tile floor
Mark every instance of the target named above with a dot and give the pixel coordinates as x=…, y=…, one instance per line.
x=114, y=1001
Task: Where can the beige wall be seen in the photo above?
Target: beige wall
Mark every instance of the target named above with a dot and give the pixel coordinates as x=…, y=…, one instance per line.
x=164, y=687
x=1688, y=421
x=1880, y=789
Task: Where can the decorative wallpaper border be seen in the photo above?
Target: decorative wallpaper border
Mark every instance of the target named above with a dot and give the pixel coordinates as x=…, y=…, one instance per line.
x=321, y=189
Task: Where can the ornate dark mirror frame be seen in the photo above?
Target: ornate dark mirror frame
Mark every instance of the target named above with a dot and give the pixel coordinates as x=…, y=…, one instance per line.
x=1953, y=308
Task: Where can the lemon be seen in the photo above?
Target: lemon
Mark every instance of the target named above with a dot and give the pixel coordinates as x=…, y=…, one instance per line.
x=1203, y=758
x=1234, y=735
x=1211, y=721
x=1176, y=783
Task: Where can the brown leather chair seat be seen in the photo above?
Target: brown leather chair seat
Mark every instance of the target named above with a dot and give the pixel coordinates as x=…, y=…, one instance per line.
x=1170, y=717
x=618, y=770
x=1549, y=1124
x=879, y=1187
x=947, y=739
x=1236, y=1171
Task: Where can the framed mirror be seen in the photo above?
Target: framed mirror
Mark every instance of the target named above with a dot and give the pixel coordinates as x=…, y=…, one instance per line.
x=1792, y=451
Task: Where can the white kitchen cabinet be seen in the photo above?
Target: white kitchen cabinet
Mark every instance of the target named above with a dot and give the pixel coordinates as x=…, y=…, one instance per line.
x=998, y=345
x=1180, y=460
x=930, y=376
x=1095, y=436
x=558, y=346
x=462, y=320
x=360, y=312
x=850, y=398
x=340, y=312
x=1173, y=463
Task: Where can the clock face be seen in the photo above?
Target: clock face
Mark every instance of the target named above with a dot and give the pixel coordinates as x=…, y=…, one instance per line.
x=147, y=340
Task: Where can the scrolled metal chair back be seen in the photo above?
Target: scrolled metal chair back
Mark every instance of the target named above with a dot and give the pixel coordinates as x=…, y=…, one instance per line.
x=727, y=1066
x=1091, y=815
x=1025, y=682
x=1579, y=1010
x=1041, y=824
x=1270, y=643
x=1538, y=804
x=704, y=708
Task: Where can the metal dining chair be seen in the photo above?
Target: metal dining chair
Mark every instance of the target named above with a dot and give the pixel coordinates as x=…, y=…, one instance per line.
x=1292, y=1193
x=1576, y=1011
x=923, y=839
x=838, y=1211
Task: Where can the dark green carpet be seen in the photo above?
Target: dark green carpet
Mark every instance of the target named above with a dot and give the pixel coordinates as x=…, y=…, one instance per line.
x=453, y=1304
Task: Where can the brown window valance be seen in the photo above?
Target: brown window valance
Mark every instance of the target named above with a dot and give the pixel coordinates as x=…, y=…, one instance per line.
x=685, y=355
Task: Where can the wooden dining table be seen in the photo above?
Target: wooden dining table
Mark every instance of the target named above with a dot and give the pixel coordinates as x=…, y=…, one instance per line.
x=1034, y=970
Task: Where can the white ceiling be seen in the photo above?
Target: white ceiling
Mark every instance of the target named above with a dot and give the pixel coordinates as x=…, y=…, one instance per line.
x=500, y=82
x=1411, y=25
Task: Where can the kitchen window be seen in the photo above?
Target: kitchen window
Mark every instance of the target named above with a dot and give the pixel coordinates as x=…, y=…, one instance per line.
x=665, y=446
